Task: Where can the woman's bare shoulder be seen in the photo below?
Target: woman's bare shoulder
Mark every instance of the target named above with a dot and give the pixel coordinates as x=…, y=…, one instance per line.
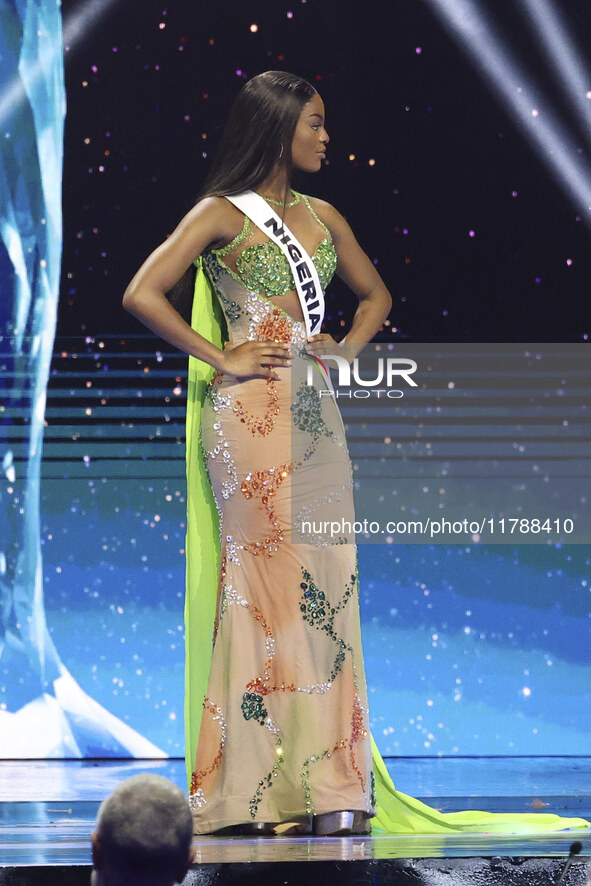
x=218, y=216
x=332, y=218
x=216, y=208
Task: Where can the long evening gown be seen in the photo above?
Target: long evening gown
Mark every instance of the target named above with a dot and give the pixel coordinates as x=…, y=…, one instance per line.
x=276, y=715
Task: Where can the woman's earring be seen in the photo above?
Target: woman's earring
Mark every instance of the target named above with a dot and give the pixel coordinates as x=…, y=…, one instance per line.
x=281, y=151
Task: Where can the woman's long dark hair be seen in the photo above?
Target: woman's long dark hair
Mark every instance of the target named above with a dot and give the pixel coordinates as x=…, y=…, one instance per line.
x=257, y=136
x=259, y=133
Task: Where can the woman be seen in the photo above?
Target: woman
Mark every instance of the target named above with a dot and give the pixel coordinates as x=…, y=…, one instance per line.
x=277, y=718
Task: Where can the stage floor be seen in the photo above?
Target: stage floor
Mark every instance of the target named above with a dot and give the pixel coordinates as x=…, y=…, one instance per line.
x=47, y=811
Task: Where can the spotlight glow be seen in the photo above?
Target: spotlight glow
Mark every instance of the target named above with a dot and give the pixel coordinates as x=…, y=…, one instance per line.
x=566, y=59
x=489, y=53
x=74, y=28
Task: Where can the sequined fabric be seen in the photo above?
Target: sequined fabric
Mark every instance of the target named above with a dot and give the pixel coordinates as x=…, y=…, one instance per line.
x=263, y=268
x=284, y=732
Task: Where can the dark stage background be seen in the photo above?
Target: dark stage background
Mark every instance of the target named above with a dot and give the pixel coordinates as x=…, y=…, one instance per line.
x=148, y=90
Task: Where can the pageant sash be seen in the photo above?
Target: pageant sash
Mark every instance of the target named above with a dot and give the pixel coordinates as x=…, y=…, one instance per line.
x=303, y=270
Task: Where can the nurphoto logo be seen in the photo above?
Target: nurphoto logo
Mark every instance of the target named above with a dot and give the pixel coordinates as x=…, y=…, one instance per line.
x=387, y=371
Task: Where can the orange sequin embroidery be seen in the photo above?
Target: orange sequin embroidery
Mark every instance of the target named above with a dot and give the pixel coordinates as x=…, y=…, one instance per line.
x=255, y=424
x=265, y=484
x=199, y=774
x=276, y=326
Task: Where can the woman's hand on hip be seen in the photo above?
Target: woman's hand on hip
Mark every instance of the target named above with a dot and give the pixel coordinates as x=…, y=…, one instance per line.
x=323, y=343
x=255, y=359
x=320, y=344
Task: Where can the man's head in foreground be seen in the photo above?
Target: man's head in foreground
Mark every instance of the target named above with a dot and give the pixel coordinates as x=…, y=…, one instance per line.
x=143, y=834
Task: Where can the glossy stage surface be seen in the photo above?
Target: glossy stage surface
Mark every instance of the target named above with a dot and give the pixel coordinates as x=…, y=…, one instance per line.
x=47, y=811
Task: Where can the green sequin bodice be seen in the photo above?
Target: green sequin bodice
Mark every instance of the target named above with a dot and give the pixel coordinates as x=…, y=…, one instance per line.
x=264, y=269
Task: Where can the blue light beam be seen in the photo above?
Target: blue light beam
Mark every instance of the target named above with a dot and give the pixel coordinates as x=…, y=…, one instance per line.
x=557, y=147
x=567, y=62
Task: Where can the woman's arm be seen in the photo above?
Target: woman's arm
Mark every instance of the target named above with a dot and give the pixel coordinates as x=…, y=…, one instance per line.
x=211, y=222
x=360, y=275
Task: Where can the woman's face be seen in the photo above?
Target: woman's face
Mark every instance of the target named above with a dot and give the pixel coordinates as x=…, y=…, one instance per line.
x=308, y=148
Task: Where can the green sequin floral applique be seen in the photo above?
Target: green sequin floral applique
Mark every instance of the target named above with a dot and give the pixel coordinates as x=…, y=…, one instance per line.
x=252, y=708
x=325, y=259
x=317, y=610
x=305, y=776
x=264, y=269
x=267, y=781
x=307, y=416
x=231, y=308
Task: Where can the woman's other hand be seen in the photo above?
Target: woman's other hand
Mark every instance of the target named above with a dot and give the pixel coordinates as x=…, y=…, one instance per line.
x=323, y=343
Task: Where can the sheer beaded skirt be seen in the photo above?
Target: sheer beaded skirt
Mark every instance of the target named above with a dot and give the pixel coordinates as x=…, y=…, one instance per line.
x=284, y=732
x=285, y=729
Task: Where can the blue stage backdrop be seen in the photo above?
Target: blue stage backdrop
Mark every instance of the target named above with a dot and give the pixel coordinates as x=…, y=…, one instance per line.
x=470, y=649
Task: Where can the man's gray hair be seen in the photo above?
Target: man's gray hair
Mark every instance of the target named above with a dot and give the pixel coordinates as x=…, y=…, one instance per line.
x=145, y=828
